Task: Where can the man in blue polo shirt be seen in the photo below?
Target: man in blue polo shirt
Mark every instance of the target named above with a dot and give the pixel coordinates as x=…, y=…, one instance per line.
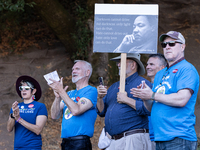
x=174, y=93
x=126, y=117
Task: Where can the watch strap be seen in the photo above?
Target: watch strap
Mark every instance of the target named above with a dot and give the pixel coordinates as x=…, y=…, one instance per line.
x=152, y=96
x=11, y=115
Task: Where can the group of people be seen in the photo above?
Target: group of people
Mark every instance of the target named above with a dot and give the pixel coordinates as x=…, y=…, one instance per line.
x=149, y=115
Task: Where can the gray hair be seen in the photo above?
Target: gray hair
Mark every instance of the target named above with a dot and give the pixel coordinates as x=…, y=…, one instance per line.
x=31, y=85
x=87, y=65
x=163, y=61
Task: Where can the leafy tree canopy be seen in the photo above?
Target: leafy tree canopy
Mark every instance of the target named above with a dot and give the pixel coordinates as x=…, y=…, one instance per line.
x=14, y=5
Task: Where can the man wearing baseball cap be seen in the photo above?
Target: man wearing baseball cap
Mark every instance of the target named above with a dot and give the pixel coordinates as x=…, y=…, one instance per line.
x=126, y=117
x=174, y=96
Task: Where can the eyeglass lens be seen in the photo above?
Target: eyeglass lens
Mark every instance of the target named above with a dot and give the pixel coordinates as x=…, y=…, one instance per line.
x=24, y=87
x=170, y=43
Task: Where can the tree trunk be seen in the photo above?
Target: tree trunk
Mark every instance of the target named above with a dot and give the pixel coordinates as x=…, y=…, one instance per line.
x=99, y=61
x=58, y=19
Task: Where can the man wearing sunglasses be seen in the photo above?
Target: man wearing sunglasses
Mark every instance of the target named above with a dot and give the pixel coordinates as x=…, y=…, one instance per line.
x=174, y=96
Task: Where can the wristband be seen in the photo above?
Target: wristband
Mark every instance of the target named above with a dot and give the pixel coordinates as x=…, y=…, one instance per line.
x=18, y=119
x=11, y=115
x=152, y=97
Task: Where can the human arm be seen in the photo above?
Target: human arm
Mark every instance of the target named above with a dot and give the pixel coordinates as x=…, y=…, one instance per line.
x=123, y=98
x=56, y=108
x=102, y=91
x=178, y=99
x=36, y=128
x=11, y=121
x=79, y=108
x=138, y=105
x=83, y=104
x=10, y=124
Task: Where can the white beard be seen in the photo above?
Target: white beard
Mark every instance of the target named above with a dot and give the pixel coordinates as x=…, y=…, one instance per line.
x=128, y=70
x=75, y=79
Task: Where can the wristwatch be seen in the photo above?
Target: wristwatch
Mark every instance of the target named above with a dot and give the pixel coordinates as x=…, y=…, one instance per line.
x=11, y=115
x=152, y=97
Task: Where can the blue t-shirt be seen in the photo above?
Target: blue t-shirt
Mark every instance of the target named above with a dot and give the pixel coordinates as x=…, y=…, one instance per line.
x=168, y=121
x=121, y=117
x=151, y=132
x=25, y=138
x=82, y=124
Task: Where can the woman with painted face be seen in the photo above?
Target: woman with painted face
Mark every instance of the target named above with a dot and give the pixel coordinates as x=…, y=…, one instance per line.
x=28, y=117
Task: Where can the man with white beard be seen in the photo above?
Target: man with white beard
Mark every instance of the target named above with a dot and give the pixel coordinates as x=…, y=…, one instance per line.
x=77, y=107
x=126, y=117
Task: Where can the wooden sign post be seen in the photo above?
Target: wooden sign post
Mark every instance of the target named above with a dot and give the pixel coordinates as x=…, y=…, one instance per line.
x=122, y=72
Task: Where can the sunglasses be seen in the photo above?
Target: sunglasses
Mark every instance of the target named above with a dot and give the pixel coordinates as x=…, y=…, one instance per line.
x=21, y=88
x=170, y=43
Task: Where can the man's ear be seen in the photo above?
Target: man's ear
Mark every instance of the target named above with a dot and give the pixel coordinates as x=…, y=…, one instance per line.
x=34, y=91
x=183, y=47
x=88, y=73
x=133, y=65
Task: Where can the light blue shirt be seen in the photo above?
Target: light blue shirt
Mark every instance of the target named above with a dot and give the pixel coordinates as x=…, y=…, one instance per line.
x=168, y=121
x=82, y=124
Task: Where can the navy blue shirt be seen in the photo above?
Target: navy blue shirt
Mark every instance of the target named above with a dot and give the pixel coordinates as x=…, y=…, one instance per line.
x=121, y=117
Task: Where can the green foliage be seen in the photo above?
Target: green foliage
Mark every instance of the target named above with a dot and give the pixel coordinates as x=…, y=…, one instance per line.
x=14, y=5
x=83, y=34
x=15, y=14
x=19, y=30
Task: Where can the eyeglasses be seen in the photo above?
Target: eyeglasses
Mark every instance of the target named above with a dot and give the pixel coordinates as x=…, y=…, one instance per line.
x=170, y=43
x=21, y=88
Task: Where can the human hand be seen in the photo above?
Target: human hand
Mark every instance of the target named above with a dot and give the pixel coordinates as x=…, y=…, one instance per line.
x=121, y=96
x=144, y=94
x=15, y=109
x=56, y=86
x=102, y=90
x=57, y=94
x=142, y=85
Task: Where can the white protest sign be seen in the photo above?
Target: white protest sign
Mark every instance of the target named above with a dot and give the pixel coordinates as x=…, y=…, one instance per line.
x=52, y=75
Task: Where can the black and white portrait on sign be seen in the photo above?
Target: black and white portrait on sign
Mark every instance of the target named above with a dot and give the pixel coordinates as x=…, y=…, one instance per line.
x=143, y=37
x=125, y=28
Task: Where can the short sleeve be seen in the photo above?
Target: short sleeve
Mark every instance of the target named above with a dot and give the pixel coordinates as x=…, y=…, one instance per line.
x=42, y=110
x=187, y=79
